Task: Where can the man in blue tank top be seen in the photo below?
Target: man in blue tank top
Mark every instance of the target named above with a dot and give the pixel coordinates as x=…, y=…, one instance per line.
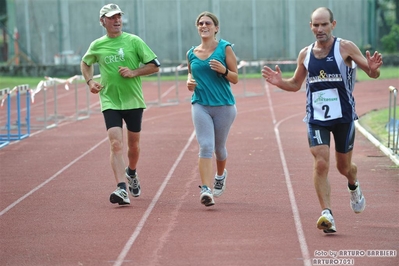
x=329, y=66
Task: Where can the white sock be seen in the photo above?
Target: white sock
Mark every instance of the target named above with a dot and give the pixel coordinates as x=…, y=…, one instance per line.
x=219, y=177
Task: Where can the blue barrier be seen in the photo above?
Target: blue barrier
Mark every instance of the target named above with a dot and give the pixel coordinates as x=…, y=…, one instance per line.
x=14, y=131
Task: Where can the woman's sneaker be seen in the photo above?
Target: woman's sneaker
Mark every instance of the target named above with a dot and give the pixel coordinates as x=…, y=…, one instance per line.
x=134, y=184
x=326, y=222
x=358, y=201
x=206, y=196
x=220, y=184
x=119, y=196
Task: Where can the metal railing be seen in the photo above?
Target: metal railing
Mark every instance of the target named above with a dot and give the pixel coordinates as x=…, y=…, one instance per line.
x=45, y=106
x=393, y=123
x=15, y=113
x=54, y=96
x=56, y=100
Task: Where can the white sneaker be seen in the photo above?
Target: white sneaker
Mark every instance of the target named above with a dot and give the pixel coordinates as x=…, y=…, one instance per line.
x=206, y=196
x=119, y=196
x=219, y=185
x=326, y=222
x=134, y=184
x=358, y=201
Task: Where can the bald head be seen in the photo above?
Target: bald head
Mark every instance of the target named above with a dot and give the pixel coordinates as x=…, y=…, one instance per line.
x=322, y=11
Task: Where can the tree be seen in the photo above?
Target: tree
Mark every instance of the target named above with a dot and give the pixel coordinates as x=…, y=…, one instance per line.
x=388, y=11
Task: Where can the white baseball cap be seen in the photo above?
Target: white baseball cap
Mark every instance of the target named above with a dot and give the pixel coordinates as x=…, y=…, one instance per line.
x=110, y=10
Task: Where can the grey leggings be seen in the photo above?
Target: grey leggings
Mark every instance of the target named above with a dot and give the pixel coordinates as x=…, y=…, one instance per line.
x=212, y=125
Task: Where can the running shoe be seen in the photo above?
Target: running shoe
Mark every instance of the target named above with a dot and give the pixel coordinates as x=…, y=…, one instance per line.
x=134, y=184
x=220, y=184
x=206, y=196
x=119, y=196
x=326, y=222
x=358, y=201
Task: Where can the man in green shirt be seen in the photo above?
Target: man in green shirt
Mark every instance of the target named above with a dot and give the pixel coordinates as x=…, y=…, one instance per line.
x=122, y=58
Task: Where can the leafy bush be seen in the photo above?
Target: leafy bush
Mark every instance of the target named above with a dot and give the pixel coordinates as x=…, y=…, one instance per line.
x=390, y=42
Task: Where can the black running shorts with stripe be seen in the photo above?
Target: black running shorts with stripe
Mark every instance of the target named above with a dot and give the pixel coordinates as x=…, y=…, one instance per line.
x=344, y=136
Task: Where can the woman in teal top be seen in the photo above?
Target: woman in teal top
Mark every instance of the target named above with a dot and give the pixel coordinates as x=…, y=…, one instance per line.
x=212, y=66
x=212, y=89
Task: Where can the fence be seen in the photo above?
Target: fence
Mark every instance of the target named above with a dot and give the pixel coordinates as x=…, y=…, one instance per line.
x=15, y=110
x=54, y=100
x=259, y=29
x=393, y=123
x=45, y=106
x=53, y=105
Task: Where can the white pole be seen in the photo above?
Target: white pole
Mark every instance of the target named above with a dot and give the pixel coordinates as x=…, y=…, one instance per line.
x=254, y=31
x=179, y=31
x=27, y=28
x=292, y=29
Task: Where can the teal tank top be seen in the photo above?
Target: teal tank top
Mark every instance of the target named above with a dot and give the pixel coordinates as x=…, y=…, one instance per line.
x=212, y=88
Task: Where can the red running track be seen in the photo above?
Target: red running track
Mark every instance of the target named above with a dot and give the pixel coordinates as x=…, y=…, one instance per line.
x=55, y=187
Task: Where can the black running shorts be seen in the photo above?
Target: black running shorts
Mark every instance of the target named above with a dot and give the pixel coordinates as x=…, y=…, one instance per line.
x=344, y=136
x=132, y=118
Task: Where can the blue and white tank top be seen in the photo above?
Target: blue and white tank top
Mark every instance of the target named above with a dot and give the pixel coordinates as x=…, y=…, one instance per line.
x=329, y=87
x=212, y=88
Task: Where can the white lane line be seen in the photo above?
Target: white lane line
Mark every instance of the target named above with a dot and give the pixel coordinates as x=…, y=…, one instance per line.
x=291, y=194
x=294, y=207
x=154, y=201
x=15, y=203
x=12, y=205
x=51, y=178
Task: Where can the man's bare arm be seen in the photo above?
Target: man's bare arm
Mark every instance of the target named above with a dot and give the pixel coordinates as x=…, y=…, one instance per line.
x=291, y=84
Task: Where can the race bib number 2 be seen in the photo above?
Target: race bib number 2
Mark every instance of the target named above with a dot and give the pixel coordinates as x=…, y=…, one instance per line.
x=326, y=105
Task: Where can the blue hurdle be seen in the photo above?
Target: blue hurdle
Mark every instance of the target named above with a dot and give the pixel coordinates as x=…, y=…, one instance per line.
x=15, y=132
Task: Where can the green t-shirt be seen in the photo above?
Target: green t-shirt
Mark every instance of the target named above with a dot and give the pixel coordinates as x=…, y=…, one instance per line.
x=126, y=50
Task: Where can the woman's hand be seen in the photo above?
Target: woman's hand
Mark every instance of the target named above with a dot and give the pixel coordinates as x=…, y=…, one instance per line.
x=217, y=66
x=191, y=84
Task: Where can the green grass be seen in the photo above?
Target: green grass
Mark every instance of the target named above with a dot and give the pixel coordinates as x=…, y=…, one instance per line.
x=376, y=121
x=11, y=82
